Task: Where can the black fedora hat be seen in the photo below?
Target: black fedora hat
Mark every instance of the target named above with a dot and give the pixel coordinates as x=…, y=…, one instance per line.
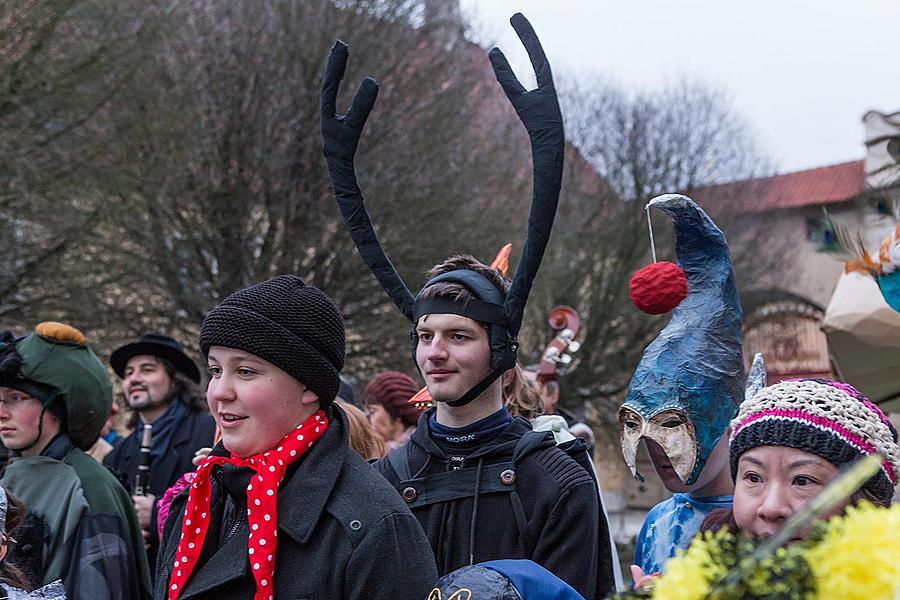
x=160, y=346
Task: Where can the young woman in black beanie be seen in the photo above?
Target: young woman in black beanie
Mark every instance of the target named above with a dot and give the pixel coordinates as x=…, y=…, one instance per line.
x=282, y=507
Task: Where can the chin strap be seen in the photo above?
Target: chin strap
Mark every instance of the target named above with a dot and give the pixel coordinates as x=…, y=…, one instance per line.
x=40, y=432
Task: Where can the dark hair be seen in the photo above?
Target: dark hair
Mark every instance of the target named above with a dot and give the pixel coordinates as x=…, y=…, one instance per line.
x=9, y=573
x=455, y=291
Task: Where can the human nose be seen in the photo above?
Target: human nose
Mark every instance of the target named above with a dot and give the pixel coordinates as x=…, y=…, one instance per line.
x=437, y=349
x=132, y=378
x=220, y=389
x=775, y=505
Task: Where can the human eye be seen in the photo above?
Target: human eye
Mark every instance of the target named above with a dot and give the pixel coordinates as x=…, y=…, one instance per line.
x=215, y=371
x=460, y=337
x=245, y=372
x=425, y=336
x=804, y=480
x=752, y=478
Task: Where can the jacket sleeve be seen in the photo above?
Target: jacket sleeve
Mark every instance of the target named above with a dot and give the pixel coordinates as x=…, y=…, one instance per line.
x=102, y=564
x=567, y=544
x=404, y=567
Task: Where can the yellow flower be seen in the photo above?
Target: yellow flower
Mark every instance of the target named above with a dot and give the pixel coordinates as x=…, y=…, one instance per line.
x=689, y=574
x=859, y=555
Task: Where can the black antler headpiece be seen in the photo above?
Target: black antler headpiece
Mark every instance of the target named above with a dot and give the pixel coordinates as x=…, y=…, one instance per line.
x=538, y=110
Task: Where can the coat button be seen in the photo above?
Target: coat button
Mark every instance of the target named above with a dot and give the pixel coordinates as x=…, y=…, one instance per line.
x=508, y=477
x=409, y=494
x=355, y=525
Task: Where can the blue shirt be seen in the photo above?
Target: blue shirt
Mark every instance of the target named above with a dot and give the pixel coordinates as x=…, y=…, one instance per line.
x=669, y=526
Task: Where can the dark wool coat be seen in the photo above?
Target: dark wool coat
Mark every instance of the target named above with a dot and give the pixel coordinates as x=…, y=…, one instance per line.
x=559, y=499
x=343, y=532
x=194, y=432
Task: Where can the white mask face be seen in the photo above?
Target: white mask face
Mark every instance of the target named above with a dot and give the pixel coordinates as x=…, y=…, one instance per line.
x=671, y=429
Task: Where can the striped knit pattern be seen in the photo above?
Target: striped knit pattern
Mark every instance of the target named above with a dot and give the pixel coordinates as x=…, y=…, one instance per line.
x=830, y=419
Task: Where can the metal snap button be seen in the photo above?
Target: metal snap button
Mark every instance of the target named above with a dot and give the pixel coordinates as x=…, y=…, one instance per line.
x=508, y=477
x=409, y=494
x=355, y=525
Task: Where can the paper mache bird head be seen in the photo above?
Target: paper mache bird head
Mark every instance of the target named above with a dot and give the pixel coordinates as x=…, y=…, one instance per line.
x=690, y=380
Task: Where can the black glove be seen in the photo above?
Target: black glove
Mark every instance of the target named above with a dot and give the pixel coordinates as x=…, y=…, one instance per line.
x=539, y=111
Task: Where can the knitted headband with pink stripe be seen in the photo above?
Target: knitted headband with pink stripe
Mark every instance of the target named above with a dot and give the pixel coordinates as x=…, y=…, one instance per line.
x=826, y=418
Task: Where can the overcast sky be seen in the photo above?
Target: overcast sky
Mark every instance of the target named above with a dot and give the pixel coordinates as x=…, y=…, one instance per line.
x=801, y=73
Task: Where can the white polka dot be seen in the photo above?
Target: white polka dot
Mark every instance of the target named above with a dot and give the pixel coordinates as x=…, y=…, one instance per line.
x=280, y=449
x=187, y=521
x=178, y=574
x=259, y=477
x=250, y=551
x=197, y=530
x=270, y=492
x=272, y=468
x=203, y=516
x=174, y=587
x=317, y=430
x=249, y=487
x=293, y=453
x=255, y=526
x=262, y=542
x=270, y=558
x=263, y=582
x=267, y=517
x=256, y=566
x=256, y=501
x=280, y=462
x=248, y=511
x=191, y=545
x=300, y=437
x=175, y=566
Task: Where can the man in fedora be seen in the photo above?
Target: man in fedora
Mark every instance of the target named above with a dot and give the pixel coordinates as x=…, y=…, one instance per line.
x=161, y=385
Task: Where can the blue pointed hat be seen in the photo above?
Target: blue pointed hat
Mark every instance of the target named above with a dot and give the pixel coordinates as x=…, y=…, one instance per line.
x=694, y=367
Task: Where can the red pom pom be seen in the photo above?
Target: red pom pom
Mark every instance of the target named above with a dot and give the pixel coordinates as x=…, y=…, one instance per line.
x=658, y=288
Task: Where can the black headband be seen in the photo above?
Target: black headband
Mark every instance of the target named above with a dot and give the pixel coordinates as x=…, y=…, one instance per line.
x=487, y=306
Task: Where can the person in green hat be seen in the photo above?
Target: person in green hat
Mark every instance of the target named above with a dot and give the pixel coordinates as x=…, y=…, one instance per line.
x=55, y=396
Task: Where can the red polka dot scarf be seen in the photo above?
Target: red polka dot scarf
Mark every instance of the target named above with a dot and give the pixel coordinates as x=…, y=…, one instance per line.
x=262, y=495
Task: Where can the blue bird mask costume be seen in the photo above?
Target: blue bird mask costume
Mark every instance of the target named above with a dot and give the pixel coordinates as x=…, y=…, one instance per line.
x=689, y=382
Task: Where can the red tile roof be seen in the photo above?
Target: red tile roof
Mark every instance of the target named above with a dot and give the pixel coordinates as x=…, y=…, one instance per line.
x=824, y=185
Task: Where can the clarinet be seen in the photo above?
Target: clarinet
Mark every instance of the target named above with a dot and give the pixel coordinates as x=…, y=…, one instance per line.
x=143, y=474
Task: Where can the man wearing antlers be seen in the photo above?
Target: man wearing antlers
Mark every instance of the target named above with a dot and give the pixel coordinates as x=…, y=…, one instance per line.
x=482, y=484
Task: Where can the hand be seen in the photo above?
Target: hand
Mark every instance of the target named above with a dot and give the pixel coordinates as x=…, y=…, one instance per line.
x=199, y=455
x=341, y=133
x=641, y=580
x=539, y=108
x=143, y=506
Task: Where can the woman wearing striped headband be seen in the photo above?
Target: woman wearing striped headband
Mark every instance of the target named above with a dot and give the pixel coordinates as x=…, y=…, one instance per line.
x=790, y=439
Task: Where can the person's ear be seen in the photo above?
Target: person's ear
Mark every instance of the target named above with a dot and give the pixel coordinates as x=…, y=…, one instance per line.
x=309, y=397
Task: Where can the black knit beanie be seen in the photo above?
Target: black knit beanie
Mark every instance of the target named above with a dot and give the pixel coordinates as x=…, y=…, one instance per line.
x=294, y=326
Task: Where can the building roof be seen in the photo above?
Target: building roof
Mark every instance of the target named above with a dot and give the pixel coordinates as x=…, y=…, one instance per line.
x=813, y=187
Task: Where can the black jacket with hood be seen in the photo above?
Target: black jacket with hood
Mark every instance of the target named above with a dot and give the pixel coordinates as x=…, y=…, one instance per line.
x=343, y=532
x=516, y=496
